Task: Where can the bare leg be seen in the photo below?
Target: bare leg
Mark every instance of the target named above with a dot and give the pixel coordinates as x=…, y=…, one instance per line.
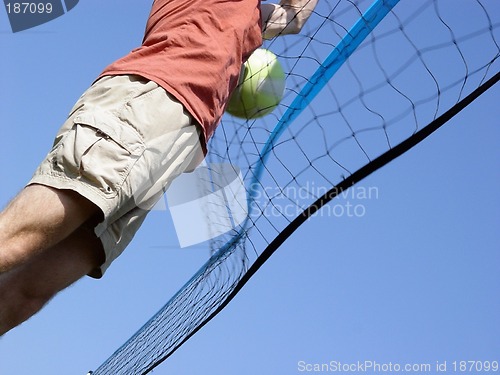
x=44, y=247
x=37, y=219
x=27, y=288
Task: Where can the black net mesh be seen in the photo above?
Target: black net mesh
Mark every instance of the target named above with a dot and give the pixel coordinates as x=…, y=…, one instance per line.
x=344, y=106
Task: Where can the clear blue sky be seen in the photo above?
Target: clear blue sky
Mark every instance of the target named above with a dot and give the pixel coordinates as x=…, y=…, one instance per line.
x=415, y=280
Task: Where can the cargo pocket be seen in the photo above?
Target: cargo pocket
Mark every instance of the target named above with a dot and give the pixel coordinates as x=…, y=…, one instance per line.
x=100, y=151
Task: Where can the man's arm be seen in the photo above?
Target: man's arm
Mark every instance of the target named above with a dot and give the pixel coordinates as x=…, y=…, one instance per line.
x=287, y=17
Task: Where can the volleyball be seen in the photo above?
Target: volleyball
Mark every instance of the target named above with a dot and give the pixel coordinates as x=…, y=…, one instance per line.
x=260, y=87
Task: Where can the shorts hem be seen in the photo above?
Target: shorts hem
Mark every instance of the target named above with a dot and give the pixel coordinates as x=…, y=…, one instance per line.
x=62, y=182
x=112, y=251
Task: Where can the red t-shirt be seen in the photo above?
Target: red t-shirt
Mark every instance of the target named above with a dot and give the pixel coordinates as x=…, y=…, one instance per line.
x=194, y=49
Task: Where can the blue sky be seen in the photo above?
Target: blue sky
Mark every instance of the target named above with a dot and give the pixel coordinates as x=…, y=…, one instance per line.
x=414, y=280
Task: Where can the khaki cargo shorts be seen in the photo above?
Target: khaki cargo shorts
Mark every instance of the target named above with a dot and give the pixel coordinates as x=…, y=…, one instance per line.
x=123, y=143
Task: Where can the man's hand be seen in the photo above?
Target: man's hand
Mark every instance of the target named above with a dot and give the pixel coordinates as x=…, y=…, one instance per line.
x=287, y=17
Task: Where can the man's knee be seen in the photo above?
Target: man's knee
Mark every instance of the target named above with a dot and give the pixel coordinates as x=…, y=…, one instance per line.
x=26, y=289
x=21, y=298
x=30, y=301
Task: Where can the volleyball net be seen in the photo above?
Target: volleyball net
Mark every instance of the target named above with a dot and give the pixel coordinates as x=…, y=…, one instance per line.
x=365, y=82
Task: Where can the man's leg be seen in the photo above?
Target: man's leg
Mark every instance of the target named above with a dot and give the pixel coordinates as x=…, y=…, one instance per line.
x=37, y=219
x=43, y=249
x=27, y=288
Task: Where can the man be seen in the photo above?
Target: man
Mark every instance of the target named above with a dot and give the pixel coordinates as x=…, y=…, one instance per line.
x=149, y=114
